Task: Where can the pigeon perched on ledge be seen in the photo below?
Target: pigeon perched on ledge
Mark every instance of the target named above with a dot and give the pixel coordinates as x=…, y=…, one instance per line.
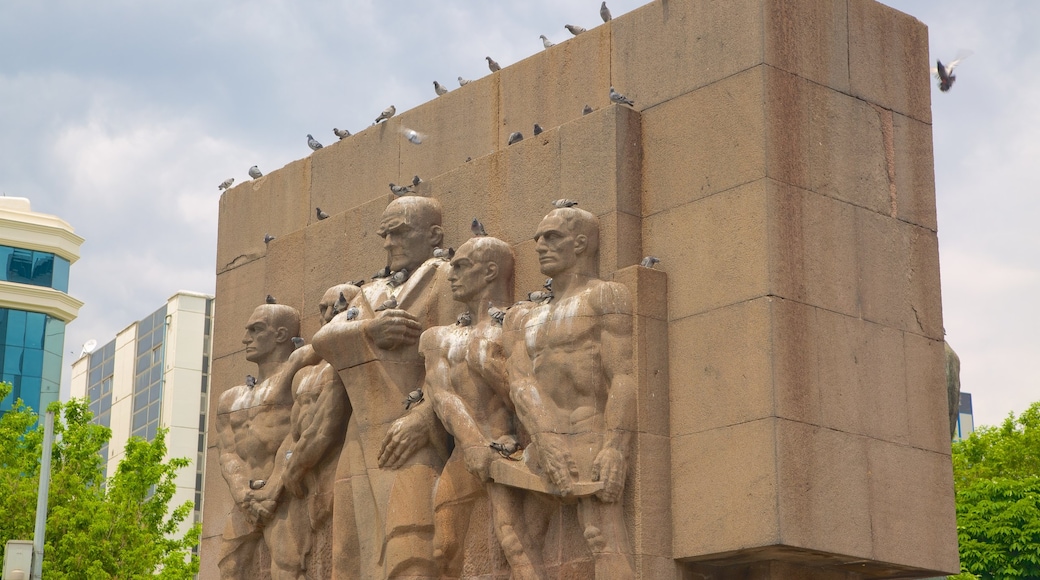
x=226, y=184
x=387, y=113
x=313, y=143
x=255, y=173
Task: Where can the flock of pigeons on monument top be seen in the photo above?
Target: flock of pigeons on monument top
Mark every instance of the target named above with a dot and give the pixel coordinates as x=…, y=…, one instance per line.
x=943, y=73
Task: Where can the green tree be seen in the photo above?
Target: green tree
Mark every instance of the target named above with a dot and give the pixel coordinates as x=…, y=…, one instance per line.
x=96, y=528
x=997, y=477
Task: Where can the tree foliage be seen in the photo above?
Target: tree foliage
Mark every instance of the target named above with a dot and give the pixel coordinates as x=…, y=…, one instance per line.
x=997, y=476
x=96, y=528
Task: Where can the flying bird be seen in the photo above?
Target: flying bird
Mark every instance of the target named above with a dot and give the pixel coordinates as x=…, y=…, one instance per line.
x=492, y=64
x=250, y=381
x=255, y=173
x=270, y=299
x=586, y=110
x=945, y=72
x=387, y=113
x=650, y=261
x=604, y=12
x=341, y=133
x=546, y=42
x=390, y=304
x=561, y=203
x=515, y=137
x=537, y=129
x=297, y=341
x=313, y=143
x=268, y=238
x=574, y=29
x=477, y=228
x=616, y=97
x=414, y=137
x=416, y=181
x=414, y=398
x=439, y=88
x=463, y=82
x=226, y=184
x=400, y=190
x=321, y=215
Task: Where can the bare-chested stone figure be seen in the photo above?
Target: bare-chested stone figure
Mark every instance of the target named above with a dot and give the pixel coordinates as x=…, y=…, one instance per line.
x=466, y=382
x=393, y=454
x=253, y=421
x=570, y=372
x=306, y=463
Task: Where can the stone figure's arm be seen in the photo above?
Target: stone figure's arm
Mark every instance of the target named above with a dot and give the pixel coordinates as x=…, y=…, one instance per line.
x=614, y=308
x=232, y=466
x=327, y=427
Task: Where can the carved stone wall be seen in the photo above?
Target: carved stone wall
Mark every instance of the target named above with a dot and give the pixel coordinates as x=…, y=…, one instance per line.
x=792, y=406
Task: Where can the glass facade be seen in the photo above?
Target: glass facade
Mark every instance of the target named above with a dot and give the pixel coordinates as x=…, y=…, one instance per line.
x=30, y=357
x=99, y=387
x=148, y=375
x=200, y=460
x=35, y=268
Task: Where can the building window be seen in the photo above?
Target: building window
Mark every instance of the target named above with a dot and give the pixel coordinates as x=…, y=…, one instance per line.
x=148, y=375
x=30, y=357
x=35, y=268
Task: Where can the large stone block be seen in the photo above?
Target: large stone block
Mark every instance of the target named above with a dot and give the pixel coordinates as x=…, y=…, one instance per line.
x=927, y=405
x=601, y=160
x=914, y=171
x=809, y=39
x=355, y=170
x=239, y=292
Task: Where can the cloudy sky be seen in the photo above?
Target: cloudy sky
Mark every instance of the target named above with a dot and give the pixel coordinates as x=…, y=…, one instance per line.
x=122, y=117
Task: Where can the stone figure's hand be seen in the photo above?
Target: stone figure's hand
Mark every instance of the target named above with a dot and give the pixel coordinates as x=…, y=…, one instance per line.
x=609, y=467
x=558, y=464
x=392, y=329
x=262, y=510
x=404, y=437
x=478, y=460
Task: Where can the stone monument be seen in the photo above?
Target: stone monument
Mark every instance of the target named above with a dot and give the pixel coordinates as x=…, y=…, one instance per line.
x=769, y=402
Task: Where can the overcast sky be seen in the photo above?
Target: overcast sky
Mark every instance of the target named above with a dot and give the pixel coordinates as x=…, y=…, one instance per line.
x=122, y=117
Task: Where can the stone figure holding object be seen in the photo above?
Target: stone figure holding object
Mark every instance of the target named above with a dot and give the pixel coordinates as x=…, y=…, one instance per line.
x=571, y=379
x=467, y=385
x=252, y=424
x=392, y=455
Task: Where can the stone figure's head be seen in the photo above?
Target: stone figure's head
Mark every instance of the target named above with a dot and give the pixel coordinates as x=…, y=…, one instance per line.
x=567, y=240
x=411, y=229
x=481, y=264
x=269, y=333
x=328, y=301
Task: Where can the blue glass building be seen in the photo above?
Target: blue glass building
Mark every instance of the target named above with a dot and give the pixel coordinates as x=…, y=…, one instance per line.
x=36, y=251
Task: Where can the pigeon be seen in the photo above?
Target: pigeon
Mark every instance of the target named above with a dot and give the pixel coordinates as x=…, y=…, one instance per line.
x=268, y=238
x=445, y=254
x=390, y=304
x=384, y=273
x=270, y=299
x=358, y=283
x=416, y=181
x=506, y=449
x=574, y=29
x=477, y=228
x=250, y=381
x=225, y=184
x=616, y=97
x=496, y=314
x=439, y=88
x=537, y=129
x=464, y=319
x=945, y=72
x=255, y=173
x=255, y=484
x=492, y=64
x=548, y=284
x=540, y=296
x=604, y=12
x=561, y=203
x=340, y=305
x=297, y=341
x=468, y=159
x=650, y=261
x=387, y=113
x=400, y=190
x=321, y=215
x=352, y=313
x=414, y=398
x=413, y=136
x=546, y=42
x=398, y=277
x=586, y=110
x=341, y=133
x=463, y=82
x=515, y=137
x=313, y=143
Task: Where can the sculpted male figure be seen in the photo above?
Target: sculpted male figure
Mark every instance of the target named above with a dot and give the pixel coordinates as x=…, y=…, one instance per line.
x=466, y=382
x=570, y=370
x=252, y=423
x=392, y=455
x=306, y=463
